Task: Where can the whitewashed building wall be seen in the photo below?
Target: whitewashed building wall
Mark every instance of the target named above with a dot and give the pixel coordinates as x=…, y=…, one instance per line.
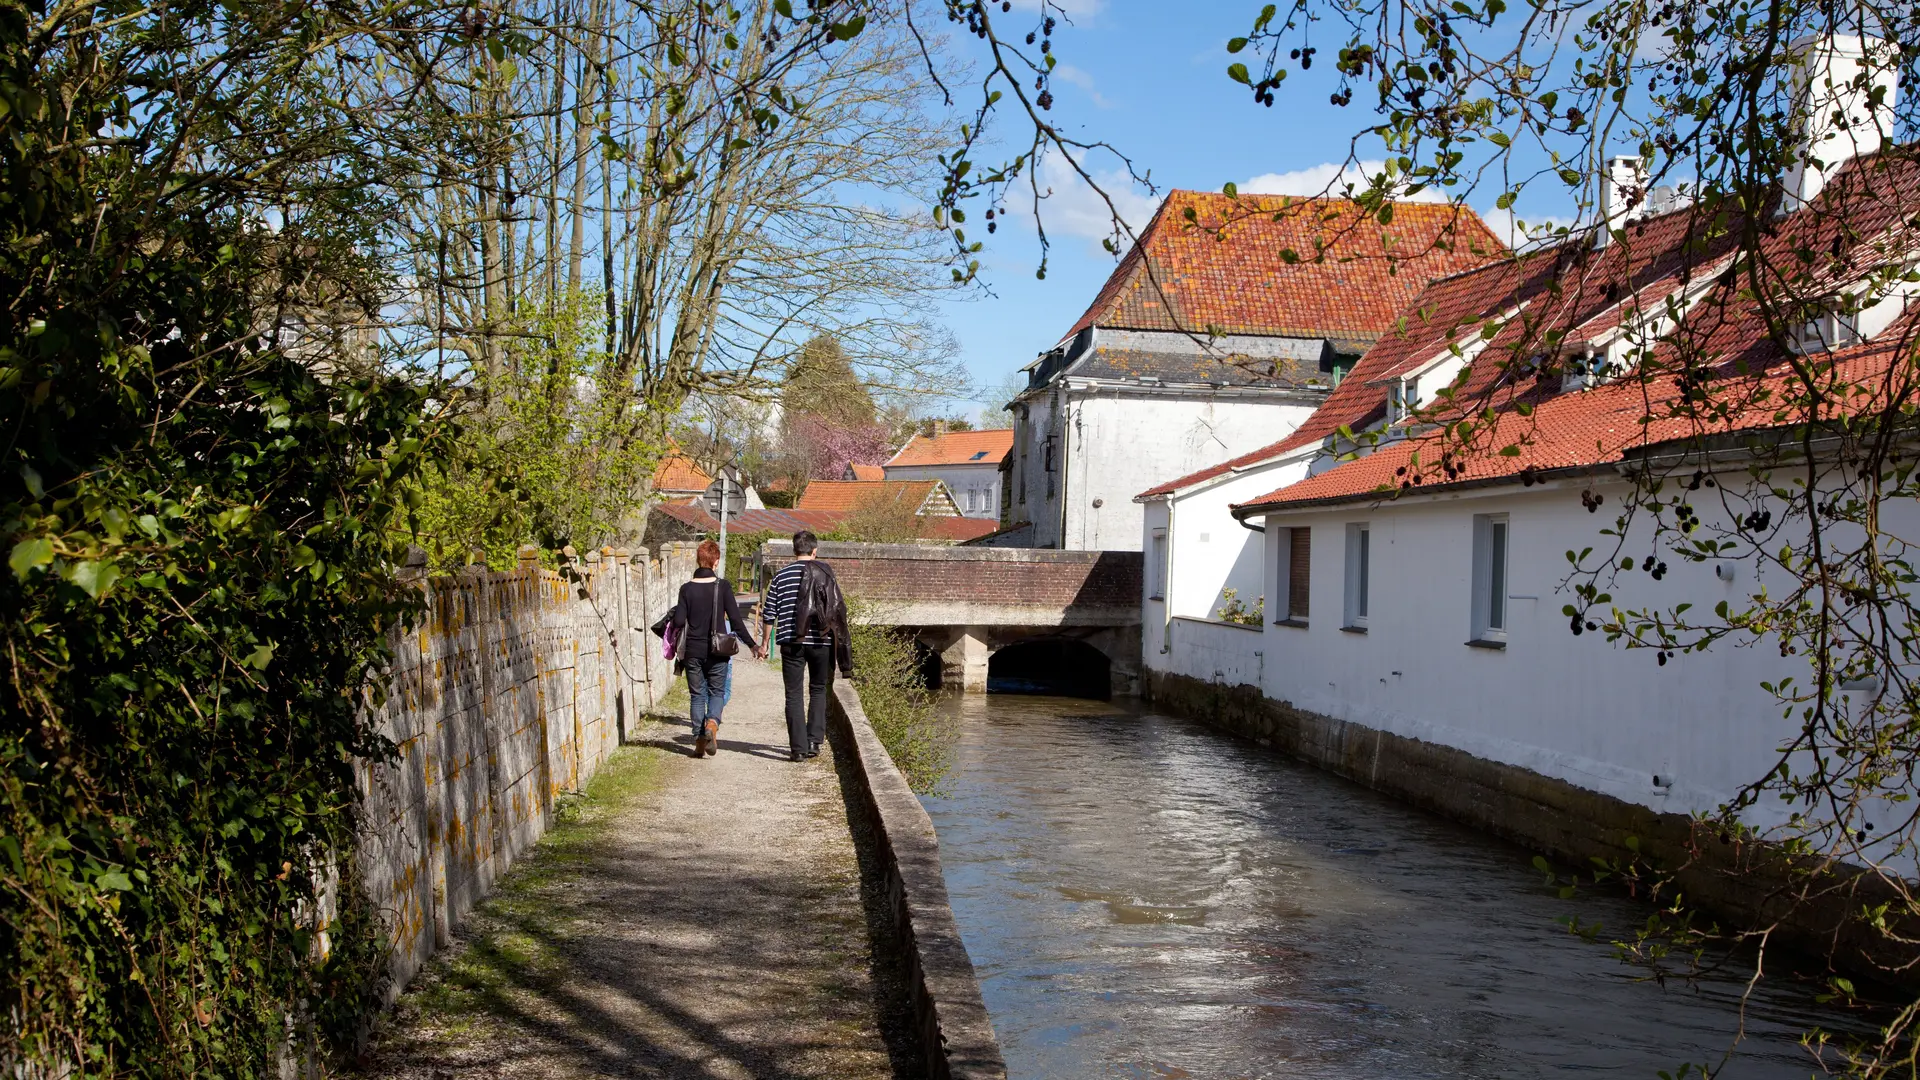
x=1119, y=442
x=1578, y=709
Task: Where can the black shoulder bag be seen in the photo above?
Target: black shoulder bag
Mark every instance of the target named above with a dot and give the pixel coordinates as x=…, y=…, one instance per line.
x=720, y=646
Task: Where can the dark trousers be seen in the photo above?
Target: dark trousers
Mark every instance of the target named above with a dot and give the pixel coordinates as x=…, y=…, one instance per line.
x=806, y=715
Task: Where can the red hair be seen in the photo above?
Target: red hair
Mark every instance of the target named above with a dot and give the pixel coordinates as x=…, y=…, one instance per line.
x=708, y=554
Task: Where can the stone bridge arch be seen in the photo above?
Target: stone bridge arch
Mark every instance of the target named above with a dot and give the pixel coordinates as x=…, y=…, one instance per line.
x=969, y=603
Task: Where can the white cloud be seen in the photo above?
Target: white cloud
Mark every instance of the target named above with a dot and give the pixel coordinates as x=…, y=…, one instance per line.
x=1332, y=178
x=1069, y=207
x=1073, y=76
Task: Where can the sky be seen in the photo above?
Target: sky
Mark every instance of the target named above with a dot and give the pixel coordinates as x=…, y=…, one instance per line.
x=1150, y=78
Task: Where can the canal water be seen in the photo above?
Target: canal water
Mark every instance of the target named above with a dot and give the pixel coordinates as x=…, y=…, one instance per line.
x=1145, y=898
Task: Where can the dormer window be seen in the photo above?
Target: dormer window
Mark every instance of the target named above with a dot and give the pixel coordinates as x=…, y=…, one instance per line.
x=1403, y=396
x=1825, y=333
x=1583, y=371
x=1849, y=319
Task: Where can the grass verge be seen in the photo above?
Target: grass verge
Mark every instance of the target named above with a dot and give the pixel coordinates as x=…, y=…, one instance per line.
x=511, y=943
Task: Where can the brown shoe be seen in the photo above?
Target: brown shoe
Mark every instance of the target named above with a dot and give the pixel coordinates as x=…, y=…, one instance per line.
x=709, y=738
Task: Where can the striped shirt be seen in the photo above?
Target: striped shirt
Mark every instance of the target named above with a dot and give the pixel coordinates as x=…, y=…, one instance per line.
x=783, y=596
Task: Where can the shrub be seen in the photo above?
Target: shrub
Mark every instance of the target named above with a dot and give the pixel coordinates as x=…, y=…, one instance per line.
x=896, y=699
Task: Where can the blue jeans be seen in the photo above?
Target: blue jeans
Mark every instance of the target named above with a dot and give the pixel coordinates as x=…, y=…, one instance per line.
x=709, y=687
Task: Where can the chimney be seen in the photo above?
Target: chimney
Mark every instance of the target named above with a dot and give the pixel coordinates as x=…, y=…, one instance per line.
x=1835, y=116
x=1623, y=195
x=939, y=428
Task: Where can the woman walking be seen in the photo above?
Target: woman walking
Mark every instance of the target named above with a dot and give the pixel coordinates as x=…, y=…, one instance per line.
x=710, y=632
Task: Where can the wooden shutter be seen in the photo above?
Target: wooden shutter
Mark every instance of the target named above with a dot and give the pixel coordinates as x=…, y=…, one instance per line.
x=1299, y=571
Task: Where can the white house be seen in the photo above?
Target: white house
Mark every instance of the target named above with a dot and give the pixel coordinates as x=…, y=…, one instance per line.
x=1420, y=588
x=1220, y=332
x=968, y=462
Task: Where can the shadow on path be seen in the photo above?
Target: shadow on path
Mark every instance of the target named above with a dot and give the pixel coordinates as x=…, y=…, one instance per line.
x=694, y=918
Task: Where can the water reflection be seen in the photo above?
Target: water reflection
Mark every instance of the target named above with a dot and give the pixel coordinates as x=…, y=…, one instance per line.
x=1145, y=898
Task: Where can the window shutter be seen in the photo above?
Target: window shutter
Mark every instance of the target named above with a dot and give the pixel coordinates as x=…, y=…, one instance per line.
x=1299, y=571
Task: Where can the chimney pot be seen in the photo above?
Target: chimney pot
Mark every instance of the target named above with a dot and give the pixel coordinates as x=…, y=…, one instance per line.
x=1623, y=195
x=1835, y=117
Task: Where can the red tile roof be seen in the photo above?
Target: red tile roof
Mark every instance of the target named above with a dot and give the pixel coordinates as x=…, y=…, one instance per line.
x=678, y=472
x=1274, y=265
x=840, y=496
x=868, y=472
x=751, y=521
x=956, y=448
x=1536, y=428
x=947, y=529
x=958, y=529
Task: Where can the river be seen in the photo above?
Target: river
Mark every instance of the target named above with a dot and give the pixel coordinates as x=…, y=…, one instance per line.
x=1144, y=897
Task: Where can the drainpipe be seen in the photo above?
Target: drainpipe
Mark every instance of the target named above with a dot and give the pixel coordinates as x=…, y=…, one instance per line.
x=1166, y=603
x=1065, y=489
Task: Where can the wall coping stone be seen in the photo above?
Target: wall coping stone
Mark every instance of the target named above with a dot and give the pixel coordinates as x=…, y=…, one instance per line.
x=955, y=1034
x=830, y=550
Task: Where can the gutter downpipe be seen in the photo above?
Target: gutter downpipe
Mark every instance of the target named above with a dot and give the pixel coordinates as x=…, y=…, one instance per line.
x=1166, y=587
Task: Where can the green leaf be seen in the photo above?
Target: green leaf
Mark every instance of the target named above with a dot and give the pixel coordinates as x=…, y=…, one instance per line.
x=259, y=658
x=1236, y=44
x=30, y=555
x=1499, y=139
x=850, y=29
x=32, y=479
x=114, y=879
x=1231, y=189
x=1238, y=73
x=96, y=576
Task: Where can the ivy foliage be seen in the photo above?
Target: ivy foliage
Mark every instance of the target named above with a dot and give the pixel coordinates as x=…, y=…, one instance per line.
x=199, y=535
x=553, y=450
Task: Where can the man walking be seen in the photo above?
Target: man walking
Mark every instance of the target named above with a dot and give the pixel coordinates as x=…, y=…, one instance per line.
x=807, y=617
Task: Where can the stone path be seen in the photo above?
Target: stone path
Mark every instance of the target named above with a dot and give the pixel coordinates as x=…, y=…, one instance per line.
x=700, y=918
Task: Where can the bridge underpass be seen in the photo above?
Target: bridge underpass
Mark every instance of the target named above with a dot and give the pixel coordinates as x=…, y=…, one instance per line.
x=1036, y=617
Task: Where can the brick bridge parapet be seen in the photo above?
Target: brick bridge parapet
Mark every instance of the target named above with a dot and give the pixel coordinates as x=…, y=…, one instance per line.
x=968, y=602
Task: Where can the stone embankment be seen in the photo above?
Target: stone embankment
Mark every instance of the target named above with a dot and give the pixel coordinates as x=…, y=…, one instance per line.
x=735, y=916
x=513, y=692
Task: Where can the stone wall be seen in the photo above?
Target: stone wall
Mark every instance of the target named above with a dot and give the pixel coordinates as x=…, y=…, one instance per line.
x=1747, y=884
x=513, y=690
x=1088, y=586
x=951, y=1026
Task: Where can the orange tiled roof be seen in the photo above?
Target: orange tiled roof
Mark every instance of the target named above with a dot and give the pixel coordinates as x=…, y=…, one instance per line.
x=1228, y=267
x=868, y=472
x=1580, y=292
x=957, y=529
x=677, y=472
x=844, y=495
x=956, y=448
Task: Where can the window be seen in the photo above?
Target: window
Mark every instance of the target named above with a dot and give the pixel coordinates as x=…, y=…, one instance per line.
x=1359, y=570
x=1296, y=552
x=1489, y=580
x=1157, y=567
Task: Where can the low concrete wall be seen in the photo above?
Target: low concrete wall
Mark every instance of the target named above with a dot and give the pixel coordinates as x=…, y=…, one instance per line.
x=513, y=691
x=950, y=1019
x=1746, y=884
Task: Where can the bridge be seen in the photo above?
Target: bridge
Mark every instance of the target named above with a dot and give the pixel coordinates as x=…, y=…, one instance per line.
x=1068, y=619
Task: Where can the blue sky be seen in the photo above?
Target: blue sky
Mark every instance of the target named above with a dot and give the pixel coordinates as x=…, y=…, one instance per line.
x=1150, y=78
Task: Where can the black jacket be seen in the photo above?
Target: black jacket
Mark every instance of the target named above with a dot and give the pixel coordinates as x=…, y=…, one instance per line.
x=821, y=604
x=694, y=615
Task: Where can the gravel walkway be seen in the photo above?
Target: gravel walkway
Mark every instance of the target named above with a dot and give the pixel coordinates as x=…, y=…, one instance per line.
x=695, y=918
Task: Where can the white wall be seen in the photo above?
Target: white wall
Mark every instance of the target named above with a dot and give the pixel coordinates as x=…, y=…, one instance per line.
x=1213, y=652
x=1576, y=708
x=976, y=488
x=1215, y=552
x=1120, y=443
x=1034, y=418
